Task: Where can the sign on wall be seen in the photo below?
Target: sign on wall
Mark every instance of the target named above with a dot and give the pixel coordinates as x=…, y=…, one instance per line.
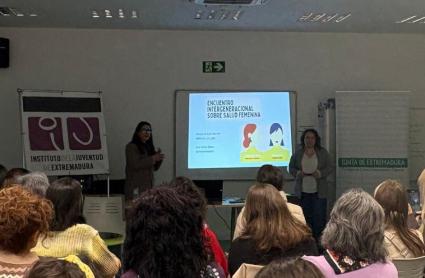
x=63, y=133
x=372, y=132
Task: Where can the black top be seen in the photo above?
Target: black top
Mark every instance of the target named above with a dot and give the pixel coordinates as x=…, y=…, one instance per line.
x=243, y=250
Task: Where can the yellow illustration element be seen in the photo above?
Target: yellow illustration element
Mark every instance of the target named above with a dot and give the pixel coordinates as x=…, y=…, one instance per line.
x=276, y=153
x=251, y=155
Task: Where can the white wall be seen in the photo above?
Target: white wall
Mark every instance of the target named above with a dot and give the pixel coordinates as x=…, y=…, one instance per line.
x=138, y=71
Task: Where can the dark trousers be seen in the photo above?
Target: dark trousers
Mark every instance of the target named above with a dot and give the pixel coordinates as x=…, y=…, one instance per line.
x=314, y=209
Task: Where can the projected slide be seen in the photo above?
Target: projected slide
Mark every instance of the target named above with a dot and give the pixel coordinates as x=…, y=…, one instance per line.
x=234, y=130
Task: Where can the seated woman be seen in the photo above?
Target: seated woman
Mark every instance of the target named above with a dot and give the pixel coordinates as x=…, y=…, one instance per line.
x=274, y=176
x=164, y=238
x=400, y=241
x=186, y=187
x=293, y=268
x=271, y=232
x=23, y=217
x=354, y=240
x=69, y=235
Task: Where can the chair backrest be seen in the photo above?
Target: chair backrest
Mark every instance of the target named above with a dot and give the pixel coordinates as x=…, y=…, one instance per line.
x=105, y=214
x=247, y=271
x=410, y=268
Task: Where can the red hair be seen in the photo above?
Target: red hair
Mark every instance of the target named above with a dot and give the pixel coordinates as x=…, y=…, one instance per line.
x=249, y=128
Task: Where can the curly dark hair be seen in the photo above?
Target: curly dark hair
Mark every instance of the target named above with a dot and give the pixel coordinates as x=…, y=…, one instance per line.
x=292, y=268
x=316, y=134
x=22, y=214
x=184, y=185
x=164, y=236
x=67, y=198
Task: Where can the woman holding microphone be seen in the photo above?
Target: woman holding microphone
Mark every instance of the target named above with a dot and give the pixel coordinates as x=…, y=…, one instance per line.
x=142, y=159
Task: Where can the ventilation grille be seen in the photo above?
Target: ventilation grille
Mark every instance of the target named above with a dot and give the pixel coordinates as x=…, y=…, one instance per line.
x=230, y=2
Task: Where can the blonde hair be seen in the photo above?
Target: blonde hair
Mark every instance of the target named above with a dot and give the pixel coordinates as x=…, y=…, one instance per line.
x=269, y=222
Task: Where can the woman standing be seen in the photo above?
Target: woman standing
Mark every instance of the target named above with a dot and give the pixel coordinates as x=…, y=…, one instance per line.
x=141, y=161
x=310, y=165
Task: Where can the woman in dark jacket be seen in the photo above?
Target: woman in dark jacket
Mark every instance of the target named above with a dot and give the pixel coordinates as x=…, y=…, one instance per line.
x=141, y=161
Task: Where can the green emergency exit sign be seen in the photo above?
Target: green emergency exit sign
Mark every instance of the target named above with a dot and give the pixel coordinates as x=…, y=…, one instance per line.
x=213, y=66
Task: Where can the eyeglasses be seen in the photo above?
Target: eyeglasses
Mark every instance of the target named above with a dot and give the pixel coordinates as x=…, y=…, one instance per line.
x=146, y=129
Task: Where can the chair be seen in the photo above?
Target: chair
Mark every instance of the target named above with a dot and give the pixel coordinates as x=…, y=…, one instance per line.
x=105, y=214
x=247, y=271
x=410, y=268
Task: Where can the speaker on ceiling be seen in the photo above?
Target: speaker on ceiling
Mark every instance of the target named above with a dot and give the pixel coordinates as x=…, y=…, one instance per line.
x=4, y=53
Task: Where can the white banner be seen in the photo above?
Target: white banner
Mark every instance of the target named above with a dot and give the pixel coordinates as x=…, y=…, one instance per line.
x=372, y=133
x=64, y=132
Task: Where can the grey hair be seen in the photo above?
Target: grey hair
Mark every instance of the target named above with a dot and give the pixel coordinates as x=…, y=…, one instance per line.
x=36, y=182
x=356, y=227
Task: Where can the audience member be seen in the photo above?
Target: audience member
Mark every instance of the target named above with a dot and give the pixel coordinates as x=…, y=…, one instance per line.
x=68, y=267
x=274, y=176
x=36, y=182
x=3, y=172
x=164, y=238
x=354, y=240
x=271, y=232
x=185, y=186
x=293, y=268
x=12, y=176
x=400, y=241
x=69, y=235
x=23, y=218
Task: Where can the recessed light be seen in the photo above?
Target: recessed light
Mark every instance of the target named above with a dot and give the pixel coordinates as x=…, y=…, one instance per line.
x=121, y=13
x=33, y=14
x=237, y=15
x=323, y=17
x=198, y=14
x=108, y=14
x=412, y=19
x=134, y=14
x=94, y=14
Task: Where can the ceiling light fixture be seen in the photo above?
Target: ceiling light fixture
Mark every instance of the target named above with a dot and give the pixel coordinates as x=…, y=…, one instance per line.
x=121, y=13
x=94, y=14
x=134, y=14
x=237, y=15
x=108, y=14
x=323, y=17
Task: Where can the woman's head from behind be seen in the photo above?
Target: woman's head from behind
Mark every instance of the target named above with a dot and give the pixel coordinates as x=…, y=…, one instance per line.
x=356, y=227
x=392, y=196
x=292, y=268
x=186, y=186
x=67, y=198
x=164, y=236
x=271, y=175
x=23, y=217
x=70, y=267
x=268, y=220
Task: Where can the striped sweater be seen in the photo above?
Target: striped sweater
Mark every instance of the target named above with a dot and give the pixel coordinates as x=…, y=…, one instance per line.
x=8, y=270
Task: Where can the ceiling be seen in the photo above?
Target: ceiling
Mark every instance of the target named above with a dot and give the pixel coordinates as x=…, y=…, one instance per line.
x=364, y=16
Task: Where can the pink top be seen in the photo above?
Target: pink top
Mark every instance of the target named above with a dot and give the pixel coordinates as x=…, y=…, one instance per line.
x=386, y=270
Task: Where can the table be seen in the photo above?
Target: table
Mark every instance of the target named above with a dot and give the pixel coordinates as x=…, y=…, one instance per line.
x=235, y=207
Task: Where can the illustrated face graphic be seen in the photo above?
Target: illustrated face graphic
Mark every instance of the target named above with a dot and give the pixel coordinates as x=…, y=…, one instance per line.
x=254, y=136
x=309, y=140
x=276, y=137
x=145, y=133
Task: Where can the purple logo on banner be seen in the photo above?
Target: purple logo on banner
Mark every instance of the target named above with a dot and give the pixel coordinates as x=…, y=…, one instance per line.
x=45, y=134
x=83, y=133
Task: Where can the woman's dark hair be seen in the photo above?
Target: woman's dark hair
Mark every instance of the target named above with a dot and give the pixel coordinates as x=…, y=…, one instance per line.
x=164, y=236
x=271, y=175
x=143, y=147
x=292, y=268
x=13, y=174
x=48, y=267
x=392, y=197
x=3, y=172
x=186, y=186
x=67, y=198
x=275, y=127
x=316, y=134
